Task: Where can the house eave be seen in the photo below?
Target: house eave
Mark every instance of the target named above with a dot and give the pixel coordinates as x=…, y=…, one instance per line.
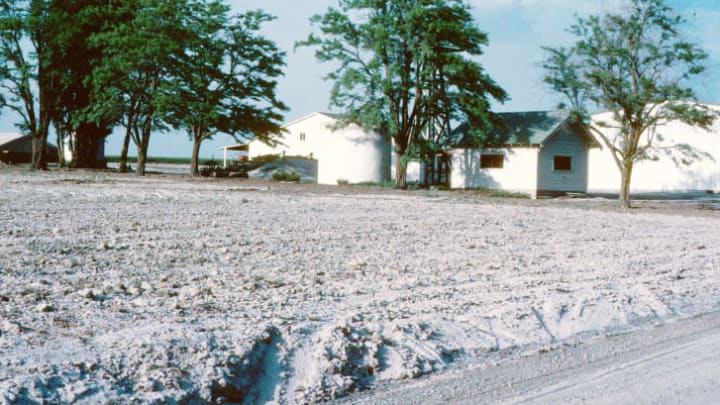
x=504, y=146
x=308, y=116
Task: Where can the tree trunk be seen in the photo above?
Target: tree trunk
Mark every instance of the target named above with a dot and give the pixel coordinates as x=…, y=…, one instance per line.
x=197, y=140
x=625, y=176
x=38, y=152
x=39, y=138
x=124, y=151
x=431, y=171
x=400, y=171
x=81, y=154
x=142, y=147
x=77, y=150
x=35, y=152
x=41, y=129
x=140, y=164
x=60, y=139
x=88, y=138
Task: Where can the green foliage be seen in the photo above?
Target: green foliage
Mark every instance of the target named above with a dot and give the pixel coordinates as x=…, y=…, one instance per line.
x=68, y=74
x=47, y=61
x=224, y=80
x=88, y=65
x=137, y=49
x=382, y=184
x=634, y=64
x=282, y=175
x=22, y=24
x=407, y=68
x=496, y=193
x=190, y=65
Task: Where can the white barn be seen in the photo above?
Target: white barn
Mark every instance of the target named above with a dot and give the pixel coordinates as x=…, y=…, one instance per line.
x=665, y=172
x=543, y=153
x=348, y=153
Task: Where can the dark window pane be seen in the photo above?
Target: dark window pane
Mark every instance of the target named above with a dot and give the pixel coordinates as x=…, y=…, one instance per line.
x=492, y=161
x=562, y=163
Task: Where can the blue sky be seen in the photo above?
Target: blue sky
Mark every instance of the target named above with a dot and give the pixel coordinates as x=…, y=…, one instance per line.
x=516, y=28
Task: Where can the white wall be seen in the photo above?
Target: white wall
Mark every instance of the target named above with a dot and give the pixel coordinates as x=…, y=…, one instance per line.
x=662, y=175
x=415, y=172
x=519, y=172
x=348, y=153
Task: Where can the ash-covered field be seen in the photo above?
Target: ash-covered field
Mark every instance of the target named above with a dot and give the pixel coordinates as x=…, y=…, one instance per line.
x=122, y=289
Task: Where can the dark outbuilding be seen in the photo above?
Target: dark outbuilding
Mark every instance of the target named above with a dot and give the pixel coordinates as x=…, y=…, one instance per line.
x=17, y=148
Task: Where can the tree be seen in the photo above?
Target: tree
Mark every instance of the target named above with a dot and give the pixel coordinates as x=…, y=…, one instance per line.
x=114, y=102
x=635, y=65
x=224, y=78
x=133, y=74
x=22, y=23
x=46, y=66
x=68, y=74
x=404, y=65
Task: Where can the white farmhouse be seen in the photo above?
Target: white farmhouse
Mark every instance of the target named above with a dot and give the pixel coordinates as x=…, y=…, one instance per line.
x=346, y=153
x=666, y=170
x=542, y=153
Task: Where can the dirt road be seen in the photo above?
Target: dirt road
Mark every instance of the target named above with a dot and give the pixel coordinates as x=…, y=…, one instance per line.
x=678, y=362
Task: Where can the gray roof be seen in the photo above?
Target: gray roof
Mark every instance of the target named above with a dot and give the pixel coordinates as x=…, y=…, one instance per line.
x=7, y=137
x=520, y=128
x=19, y=143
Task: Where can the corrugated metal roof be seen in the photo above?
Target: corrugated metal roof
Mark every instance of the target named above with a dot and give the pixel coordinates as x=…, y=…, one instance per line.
x=521, y=128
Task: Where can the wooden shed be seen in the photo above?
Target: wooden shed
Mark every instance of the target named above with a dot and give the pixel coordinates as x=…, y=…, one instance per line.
x=541, y=153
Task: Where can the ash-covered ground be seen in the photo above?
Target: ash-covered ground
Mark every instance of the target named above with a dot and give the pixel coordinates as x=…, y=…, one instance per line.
x=122, y=289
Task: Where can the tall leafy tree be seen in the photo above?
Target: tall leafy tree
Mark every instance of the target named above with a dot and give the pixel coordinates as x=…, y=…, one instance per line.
x=71, y=59
x=134, y=73
x=46, y=64
x=23, y=60
x=636, y=65
x=404, y=66
x=113, y=100
x=224, y=79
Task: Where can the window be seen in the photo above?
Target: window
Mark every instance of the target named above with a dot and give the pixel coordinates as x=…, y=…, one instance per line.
x=562, y=163
x=492, y=161
x=302, y=136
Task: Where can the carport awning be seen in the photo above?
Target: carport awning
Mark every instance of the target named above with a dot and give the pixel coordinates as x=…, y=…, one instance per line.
x=238, y=147
x=242, y=147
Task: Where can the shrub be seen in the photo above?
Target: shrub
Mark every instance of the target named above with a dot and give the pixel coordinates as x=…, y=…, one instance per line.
x=260, y=160
x=383, y=184
x=498, y=193
x=282, y=175
x=211, y=168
